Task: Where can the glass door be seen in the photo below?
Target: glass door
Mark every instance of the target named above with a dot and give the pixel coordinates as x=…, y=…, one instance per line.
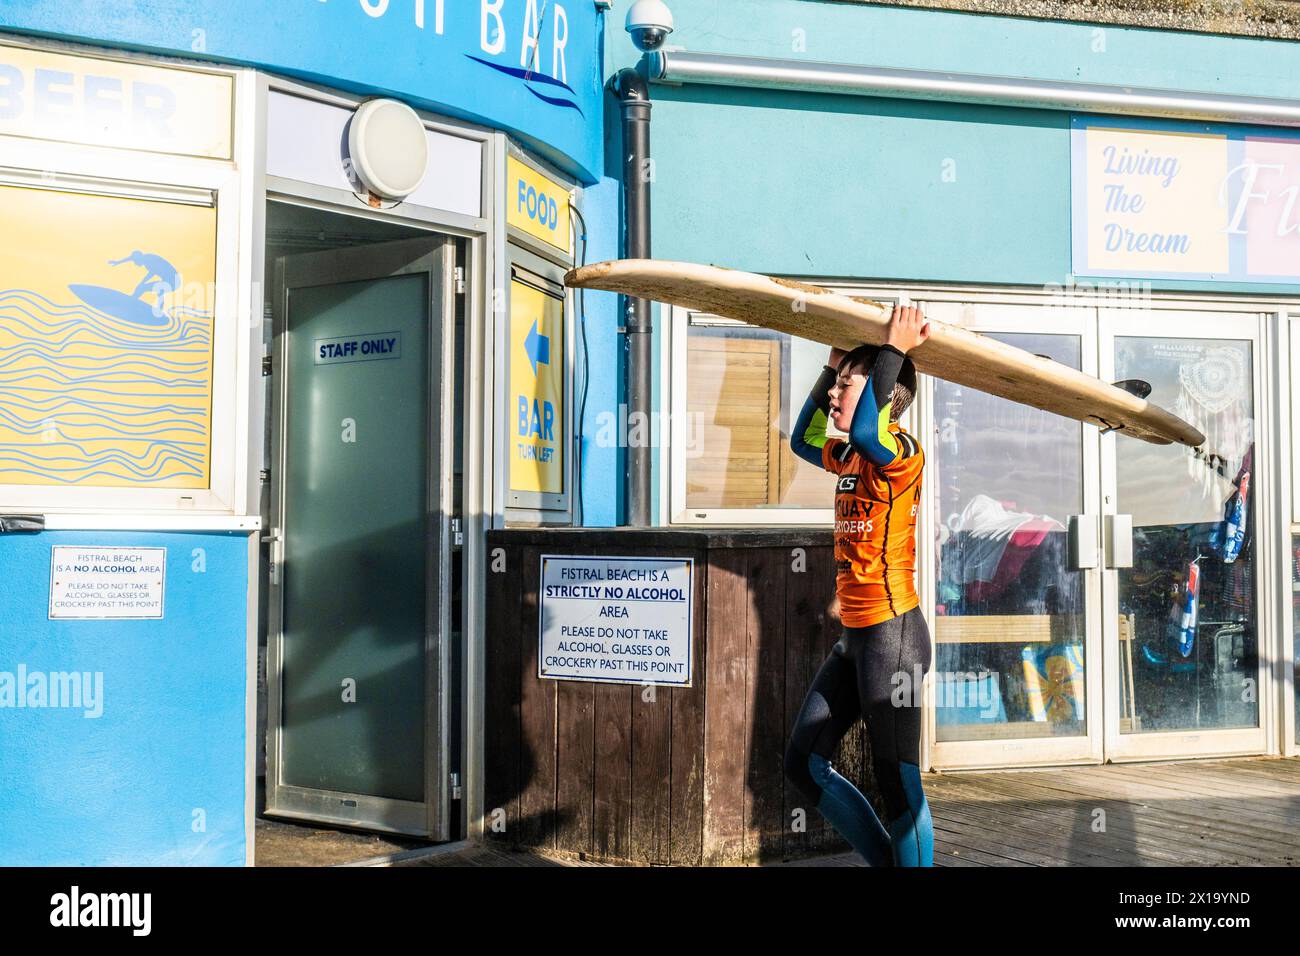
x=1017, y=664
x=1181, y=582
x=359, y=607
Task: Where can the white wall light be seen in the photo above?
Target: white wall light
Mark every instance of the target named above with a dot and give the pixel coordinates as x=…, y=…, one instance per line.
x=388, y=149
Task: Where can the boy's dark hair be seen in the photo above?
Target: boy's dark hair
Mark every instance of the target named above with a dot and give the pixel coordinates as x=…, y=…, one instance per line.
x=864, y=356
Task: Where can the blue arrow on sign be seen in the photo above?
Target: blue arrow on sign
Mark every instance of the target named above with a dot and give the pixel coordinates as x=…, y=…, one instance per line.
x=538, y=347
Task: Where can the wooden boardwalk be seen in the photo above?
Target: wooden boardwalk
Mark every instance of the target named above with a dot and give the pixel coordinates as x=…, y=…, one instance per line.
x=481, y=856
x=281, y=843
x=1242, y=812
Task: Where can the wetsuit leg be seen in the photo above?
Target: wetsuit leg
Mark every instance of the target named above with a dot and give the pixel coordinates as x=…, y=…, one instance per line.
x=829, y=709
x=892, y=710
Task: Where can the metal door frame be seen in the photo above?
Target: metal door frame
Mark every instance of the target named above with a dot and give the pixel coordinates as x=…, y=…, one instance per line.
x=1076, y=319
x=1188, y=320
x=429, y=818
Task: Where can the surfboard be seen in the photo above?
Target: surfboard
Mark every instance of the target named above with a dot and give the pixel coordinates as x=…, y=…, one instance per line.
x=952, y=353
x=119, y=305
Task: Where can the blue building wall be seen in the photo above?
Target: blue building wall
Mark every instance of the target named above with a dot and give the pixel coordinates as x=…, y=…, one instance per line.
x=471, y=68
x=158, y=777
x=847, y=186
x=601, y=491
x=835, y=186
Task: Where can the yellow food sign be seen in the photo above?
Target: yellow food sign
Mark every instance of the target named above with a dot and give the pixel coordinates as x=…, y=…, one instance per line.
x=537, y=425
x=538, y=205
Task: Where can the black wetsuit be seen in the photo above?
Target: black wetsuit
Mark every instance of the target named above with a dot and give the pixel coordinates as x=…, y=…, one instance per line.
x=874, y=672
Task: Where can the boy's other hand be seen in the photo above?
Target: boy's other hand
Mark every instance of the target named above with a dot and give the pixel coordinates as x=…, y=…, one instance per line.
x=837, y=356
x=908, y=328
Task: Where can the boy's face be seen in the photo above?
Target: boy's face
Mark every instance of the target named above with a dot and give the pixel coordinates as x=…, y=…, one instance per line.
x=844, y=395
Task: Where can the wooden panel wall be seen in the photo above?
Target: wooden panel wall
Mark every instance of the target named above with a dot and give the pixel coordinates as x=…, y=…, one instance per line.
x=666, y=776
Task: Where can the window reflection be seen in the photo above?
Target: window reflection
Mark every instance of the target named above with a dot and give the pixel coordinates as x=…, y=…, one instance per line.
x=1190, y=595
x=744, y=389
x=1009, y=616
x=1295, y=617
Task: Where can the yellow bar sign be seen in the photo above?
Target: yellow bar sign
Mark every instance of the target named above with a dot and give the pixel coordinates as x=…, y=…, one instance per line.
x=539, y=435
x=538, y=205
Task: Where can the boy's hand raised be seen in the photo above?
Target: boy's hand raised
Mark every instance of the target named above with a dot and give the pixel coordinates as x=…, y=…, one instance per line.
x=908, y=328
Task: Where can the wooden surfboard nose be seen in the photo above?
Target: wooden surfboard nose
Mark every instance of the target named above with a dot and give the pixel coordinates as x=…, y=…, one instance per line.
x=958, y=355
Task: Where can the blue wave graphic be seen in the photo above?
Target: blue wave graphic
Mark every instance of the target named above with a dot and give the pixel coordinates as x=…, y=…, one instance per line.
x=528, y=77
x=88, y=396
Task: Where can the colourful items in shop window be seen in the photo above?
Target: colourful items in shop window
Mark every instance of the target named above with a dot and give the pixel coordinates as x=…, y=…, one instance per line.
x=1191, y=600
x=1054, y=682
x=1234, y=531
x=1231, y=534
x=968, y=698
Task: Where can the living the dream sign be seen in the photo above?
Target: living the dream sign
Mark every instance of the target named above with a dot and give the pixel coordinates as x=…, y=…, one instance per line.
x=1184, y=201
x=615, y=619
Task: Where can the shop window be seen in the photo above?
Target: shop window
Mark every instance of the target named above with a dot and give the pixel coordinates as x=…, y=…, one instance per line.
x=736, y=391
x=106, y=317
x=1295, y=618
x=114, y=389
x=1009, y=614
x=743, y=388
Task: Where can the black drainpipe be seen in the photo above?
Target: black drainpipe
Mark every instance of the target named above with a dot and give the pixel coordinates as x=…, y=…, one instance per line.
x=634, y=95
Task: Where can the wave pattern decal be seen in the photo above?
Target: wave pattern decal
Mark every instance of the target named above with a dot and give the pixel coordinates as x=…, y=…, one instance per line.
x=89, y=397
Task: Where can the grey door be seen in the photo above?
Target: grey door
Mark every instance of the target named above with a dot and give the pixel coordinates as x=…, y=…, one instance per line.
x=356, y=656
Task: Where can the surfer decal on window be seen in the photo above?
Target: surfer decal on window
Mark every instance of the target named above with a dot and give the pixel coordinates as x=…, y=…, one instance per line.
x=161, y=280
x=106, y=333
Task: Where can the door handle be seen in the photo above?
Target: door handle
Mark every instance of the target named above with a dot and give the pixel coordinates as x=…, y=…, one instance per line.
x=1083, y=542
x=1119, y=541
x=275, y=557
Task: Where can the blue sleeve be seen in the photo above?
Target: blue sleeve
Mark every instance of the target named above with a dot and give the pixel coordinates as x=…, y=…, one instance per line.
x=869, y=432
x=808, y=436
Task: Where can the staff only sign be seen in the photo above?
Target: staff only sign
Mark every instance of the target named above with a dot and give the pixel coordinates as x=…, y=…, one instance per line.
x=618, y=620
x=1185, y=201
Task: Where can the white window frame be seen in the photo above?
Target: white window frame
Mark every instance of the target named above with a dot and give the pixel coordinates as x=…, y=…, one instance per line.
x=1279, y=382
x=1288, y=429
x=116, y=172
x=675, y=430
x=1278, y=373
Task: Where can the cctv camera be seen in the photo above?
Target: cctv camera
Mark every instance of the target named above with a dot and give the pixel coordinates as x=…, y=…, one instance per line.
x=649, y=22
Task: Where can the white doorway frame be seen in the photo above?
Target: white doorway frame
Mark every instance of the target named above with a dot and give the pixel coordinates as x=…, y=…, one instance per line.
x=485, y=265
x=1198, y=323
x=1076, y=321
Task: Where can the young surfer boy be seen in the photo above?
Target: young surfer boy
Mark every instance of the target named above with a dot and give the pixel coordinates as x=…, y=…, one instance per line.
x=863, y=393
